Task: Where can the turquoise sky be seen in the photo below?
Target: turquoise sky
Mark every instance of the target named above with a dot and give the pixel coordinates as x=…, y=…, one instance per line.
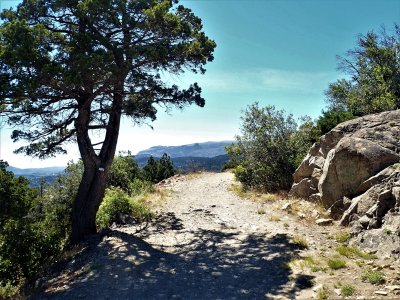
x=276, y=52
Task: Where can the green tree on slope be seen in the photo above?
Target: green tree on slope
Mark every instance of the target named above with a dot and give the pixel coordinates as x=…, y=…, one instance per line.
x=269, y=148
x=374, y=76
x=157, y=170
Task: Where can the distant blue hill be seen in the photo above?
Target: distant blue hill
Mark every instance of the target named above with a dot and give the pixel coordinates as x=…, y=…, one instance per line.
x=208, y=156
x=36, y=171
x=207, y=149
x=36, y=175
x=192, y=164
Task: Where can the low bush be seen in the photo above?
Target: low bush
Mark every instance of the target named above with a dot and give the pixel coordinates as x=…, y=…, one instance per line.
x=343, y=237
x=352, y=252
x=123, y=171
x=373, y=276
x=336, y=264
x=269, y=149
x=347, y=290
x=116, y=202
x=140, y=187
x=300, y=242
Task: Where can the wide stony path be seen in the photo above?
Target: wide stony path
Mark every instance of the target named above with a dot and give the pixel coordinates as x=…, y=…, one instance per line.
x=206, y=243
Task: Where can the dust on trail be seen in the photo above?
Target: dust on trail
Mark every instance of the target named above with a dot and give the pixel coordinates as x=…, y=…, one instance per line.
x=206, y=243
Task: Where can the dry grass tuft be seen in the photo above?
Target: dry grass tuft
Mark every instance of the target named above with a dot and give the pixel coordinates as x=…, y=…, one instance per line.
x=242, y=192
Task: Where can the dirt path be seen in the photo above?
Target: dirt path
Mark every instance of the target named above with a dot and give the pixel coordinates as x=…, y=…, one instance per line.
x=207, y=243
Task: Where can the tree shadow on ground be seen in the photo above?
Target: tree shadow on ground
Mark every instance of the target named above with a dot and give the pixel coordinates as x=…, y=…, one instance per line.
x=217, y=264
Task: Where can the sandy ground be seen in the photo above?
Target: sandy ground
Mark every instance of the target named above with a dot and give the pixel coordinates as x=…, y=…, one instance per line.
x=209, y=243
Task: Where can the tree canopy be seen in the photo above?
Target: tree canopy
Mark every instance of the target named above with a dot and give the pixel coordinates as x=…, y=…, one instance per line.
x=63, y=63
x=373, y=67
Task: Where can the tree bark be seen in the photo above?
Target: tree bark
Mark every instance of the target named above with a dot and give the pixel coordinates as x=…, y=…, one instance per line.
x=93, y=184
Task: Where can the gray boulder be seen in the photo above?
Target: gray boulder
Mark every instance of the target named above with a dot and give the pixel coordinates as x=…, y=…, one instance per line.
x=378, y=200
x=355, y=172
x=347, y=156
x=349, y=164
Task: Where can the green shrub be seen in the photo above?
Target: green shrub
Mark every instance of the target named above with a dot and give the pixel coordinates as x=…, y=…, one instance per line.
x=116, y=202
x=347, y=290
x=269, y=148
x=373, y=276
x=343, y=237
x=123, y=170
x=158, y=170
x=323, y=293
x=16, y=197
x=139, y=211
x=336, y=264
x=331, y=118
x=8, y=291
x=35, y=231
x=352, y=252
x=139, y=187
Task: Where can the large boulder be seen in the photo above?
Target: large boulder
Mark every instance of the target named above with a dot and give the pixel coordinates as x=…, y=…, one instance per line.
x=347, y=156
x=354, y=171
x=349, y=164
x=370, y=209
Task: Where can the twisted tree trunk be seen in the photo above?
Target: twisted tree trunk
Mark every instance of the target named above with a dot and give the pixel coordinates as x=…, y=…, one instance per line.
x=96, y=166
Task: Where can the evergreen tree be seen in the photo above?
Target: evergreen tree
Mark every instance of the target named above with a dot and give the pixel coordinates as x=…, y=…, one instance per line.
x=151, y=170
x=374, y=70
x=166, y=167
x=69, y=68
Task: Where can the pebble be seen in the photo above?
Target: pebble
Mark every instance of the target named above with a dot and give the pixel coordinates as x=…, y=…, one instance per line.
x=382, y=293
x=360, y=298
x=301, y=215
x=318, y=287
x=337, y=291
x=393, y=287
x=324, y=222
x=286, y=206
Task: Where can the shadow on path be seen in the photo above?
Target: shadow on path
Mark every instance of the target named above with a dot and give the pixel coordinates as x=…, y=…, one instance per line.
x=216, y=265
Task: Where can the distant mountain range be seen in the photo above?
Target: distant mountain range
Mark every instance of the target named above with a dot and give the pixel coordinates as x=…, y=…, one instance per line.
x=209, y=156
x=36, y=175
x=207, y=149
x=36, y=171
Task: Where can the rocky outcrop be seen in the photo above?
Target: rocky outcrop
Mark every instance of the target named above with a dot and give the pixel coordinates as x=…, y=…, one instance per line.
x=368, y=210
x=354, y=172
x=349, y=164
x=347, y=156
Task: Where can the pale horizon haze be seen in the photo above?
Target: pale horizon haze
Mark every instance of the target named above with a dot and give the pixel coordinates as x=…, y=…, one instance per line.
x=276, y=52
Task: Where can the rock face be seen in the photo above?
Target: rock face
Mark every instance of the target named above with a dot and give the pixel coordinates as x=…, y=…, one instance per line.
x=354, y=171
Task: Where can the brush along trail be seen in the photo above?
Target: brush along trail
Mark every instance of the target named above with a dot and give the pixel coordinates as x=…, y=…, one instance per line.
x=206, y=242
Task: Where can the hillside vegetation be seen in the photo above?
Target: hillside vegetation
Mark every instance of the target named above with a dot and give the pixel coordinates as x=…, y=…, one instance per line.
x=35, y=222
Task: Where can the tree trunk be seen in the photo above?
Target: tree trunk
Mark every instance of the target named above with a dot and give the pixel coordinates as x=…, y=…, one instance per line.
x=90, y=194
x=96, y=166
